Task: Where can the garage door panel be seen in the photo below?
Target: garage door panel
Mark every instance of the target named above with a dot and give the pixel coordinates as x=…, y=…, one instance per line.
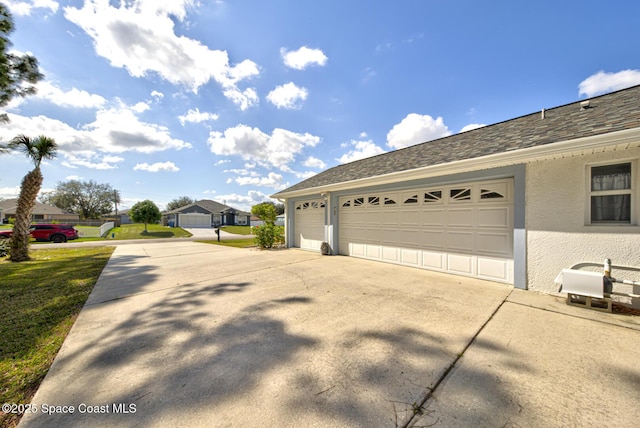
x=459, y=217
x=460, y=241
x=465, y=229
x=460, y=264
x=494, y=217
x=433, y=239
x=433, y=217
x=497, y=243
x=495, y=269
x=434, y=260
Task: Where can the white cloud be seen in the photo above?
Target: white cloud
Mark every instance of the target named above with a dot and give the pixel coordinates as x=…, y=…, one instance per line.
x=244, y=202
x=603, y=82
x=305, y=175
x=24, y=8
x=157, y=95
x=415, y=129
x=157, y=167
x=72, y=98
x=9, y=192
x=195, y=116
x=275, y=150
x=472, y=126
x=222, y=162
x=73, y=177
x=115, y=130
x=303, y=57
x=271, y=180
x=90, y=160
x=361, y=150
x=288, y=96
x=313, y=162
x=139, y=36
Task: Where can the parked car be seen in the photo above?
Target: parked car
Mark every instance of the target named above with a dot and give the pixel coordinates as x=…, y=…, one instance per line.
x=47, y=232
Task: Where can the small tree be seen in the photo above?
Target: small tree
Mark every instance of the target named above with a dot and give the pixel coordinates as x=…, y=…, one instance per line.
x=145, y=212
x=269, y=233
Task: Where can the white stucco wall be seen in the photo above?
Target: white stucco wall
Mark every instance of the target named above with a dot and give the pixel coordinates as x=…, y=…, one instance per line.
x=557, y=236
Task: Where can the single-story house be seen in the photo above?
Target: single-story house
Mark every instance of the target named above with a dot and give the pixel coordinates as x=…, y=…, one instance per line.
x=42, y=213
x=206, y=213
x=514, y=202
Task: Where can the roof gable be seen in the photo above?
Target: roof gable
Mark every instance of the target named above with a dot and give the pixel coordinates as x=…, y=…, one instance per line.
x=612, y=112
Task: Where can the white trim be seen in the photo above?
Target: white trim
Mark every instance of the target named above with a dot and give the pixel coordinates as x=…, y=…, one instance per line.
x=633, y=191
x=626, y=138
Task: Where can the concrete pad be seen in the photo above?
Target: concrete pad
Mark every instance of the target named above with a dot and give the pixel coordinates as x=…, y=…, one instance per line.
x=538, y=363
x=192, y=334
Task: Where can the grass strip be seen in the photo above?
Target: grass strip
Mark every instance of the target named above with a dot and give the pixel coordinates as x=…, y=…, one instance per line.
x=39, y=302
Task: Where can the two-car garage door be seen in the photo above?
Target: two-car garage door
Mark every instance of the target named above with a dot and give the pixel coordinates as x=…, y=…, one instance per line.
x=465, y=229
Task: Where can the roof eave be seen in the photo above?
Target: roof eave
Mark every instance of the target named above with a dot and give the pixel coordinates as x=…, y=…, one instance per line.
x=617, y=140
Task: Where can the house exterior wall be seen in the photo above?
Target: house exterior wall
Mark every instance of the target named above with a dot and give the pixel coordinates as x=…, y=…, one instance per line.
x=557, y=232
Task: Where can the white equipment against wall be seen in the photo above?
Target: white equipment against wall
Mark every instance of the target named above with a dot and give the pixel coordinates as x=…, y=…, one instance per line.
x=591, y=290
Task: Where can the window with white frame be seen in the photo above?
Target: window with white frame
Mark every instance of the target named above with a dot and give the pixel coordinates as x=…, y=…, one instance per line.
x=610, y=193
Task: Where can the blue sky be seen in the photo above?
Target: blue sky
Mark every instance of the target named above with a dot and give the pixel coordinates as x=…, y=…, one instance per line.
x=233, y=100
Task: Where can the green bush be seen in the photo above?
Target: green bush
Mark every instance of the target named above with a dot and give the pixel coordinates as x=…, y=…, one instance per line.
x=268, y=235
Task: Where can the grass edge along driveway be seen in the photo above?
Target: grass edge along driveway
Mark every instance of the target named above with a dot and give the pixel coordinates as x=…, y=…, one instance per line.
x=39, y=302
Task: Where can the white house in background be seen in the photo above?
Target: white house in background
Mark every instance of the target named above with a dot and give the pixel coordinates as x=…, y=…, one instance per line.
x=514, y=202
x=205, y=213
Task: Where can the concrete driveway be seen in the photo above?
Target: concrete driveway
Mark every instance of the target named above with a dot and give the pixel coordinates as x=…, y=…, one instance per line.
x=201, y=335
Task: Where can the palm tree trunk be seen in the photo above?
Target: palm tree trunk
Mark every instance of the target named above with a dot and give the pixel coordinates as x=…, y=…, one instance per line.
x=29, y=189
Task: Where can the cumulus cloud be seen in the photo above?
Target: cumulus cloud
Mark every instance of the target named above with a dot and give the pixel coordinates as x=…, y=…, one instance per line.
x=139, y=36
x=116, y=129
x=472, y=126
x=360, y=150
x=271, y=180
x=276, y=150
x=415, y=129
x=24, y=8
x=74, y=98
x=313, y=162
x=303, y=58
x=196, y=116
x=603, y=82
x=90, y=160
x=244, y=202
x=288, y=96
x=157, y=167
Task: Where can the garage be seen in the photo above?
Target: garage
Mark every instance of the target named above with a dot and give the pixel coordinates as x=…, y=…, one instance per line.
x=309, y=224
x=194, y=220
x=464, y=229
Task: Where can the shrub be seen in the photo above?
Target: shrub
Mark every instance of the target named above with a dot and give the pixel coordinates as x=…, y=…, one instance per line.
x=268, y=235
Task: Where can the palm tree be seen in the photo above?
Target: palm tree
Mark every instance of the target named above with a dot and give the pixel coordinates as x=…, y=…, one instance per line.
x=36, y=149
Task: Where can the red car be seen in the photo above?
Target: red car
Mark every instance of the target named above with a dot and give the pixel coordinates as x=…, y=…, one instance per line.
x=47, y=232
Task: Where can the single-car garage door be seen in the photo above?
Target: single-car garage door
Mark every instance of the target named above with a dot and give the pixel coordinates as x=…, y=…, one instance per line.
x=195, y=220
x=465, y=229
x=309, y=224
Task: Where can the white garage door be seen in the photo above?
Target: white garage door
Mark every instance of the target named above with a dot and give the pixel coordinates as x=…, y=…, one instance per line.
x=465, y=229
x=195, y=220
x=309, y=224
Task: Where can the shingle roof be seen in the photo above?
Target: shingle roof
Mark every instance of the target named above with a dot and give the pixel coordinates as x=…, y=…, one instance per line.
x=9, y=206
x=212, y=206
x=612, y=112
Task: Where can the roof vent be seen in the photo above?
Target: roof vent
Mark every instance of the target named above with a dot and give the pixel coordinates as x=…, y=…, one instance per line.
x=584, y=105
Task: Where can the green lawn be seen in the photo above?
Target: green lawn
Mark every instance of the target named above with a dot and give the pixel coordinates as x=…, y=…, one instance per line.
x=136, y=231
x=39, y=302
x=238, y=230
x=238, y=243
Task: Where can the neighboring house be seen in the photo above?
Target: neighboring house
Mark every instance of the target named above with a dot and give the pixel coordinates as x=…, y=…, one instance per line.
x=206, y=213
x=42, y=213
x=255, y=221
x=514, y=202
